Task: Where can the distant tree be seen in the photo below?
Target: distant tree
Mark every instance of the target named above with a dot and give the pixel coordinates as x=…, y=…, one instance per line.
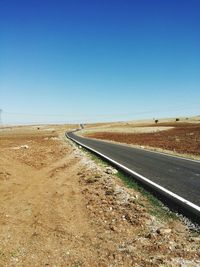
x=156, y=121
x=177, y=119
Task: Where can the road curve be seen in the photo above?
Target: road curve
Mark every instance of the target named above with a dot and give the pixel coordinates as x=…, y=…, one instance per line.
x=179, y=176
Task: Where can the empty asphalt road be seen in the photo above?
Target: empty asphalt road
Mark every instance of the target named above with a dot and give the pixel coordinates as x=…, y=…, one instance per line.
x=178, y=175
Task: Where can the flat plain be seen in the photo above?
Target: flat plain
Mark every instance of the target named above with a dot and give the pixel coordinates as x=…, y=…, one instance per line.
x=59, y=206
x=181, y=137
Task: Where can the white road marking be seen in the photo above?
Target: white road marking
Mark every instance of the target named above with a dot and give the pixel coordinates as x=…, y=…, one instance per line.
x=166, y=191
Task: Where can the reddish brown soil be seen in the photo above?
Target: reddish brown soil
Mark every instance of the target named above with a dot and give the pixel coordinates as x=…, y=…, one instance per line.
x=183, y=138
x=59, y=208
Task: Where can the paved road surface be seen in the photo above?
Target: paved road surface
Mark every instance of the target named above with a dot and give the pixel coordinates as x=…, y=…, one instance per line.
x=180, y=176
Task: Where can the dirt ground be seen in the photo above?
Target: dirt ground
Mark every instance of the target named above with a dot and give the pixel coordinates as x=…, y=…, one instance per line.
x=122, y=129
x=60, y=208
x=183, y=138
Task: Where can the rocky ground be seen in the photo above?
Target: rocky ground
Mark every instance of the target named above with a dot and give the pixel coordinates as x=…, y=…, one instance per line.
x=58, y=207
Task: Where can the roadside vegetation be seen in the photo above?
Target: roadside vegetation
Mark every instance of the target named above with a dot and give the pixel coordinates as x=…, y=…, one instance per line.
x=152, y=203
x=62, y=206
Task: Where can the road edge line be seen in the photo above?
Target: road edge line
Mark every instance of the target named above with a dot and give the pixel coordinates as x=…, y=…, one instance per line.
x=195, y=209
x=145, y=149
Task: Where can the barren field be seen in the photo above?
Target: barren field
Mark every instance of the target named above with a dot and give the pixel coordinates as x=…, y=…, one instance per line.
x=178, y=137
x=58, y=207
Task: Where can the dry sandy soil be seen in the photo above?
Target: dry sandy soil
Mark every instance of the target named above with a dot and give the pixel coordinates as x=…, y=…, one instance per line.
x=181, y=137
x=60, y=208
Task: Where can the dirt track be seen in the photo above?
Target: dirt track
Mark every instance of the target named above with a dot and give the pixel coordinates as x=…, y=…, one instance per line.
x=42, y=210
x=57, y=208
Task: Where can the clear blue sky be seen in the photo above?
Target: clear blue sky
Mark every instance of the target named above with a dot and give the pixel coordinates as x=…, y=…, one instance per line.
x=98, y=60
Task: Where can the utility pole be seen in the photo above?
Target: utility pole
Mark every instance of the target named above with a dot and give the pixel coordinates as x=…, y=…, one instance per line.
x=0, y=117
